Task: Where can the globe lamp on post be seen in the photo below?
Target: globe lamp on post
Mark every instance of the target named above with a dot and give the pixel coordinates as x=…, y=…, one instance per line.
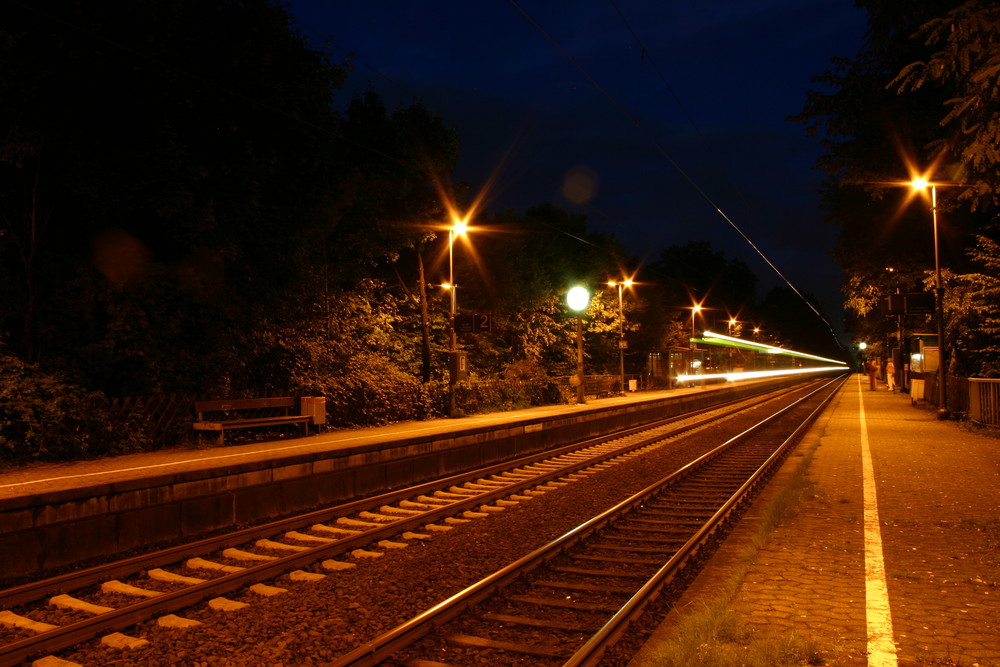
x=578, y=298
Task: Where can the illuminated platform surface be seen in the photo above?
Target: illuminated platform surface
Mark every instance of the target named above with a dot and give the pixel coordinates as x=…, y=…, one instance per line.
x=50, y=478
x=901, y=568
x=937, y=488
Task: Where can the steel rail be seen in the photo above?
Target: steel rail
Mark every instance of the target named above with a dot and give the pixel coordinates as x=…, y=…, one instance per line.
x=38, y=590
x=117, y=619
x=590, y=654
x=384, y=646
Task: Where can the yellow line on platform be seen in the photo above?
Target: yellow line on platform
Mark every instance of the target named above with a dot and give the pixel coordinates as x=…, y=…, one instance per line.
x=881, y=647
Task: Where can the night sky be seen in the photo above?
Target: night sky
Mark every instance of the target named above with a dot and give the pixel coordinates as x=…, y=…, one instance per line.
x=688, y=114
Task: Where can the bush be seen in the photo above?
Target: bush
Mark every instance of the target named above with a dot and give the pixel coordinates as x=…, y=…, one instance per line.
x=45, y=418
x=523, y=385
x=370, y=390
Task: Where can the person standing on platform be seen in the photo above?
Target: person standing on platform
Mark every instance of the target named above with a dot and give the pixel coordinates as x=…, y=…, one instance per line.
x=890, y=375
x=871, y=374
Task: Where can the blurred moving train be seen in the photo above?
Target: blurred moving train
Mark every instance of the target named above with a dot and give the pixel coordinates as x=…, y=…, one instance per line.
x=721, y=358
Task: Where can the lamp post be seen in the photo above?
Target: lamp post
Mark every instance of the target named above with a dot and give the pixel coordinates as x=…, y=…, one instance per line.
x=456, y=365
x=942, y=413
x=729, y=329
x=694, y=310
x=578, y=298
x=621, y=327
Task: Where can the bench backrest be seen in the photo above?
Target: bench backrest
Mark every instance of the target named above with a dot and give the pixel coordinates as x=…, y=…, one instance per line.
x=244, y=404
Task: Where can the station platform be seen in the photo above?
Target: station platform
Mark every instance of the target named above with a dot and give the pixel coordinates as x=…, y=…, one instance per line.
x=889, y=555
x=54, y=478
x=57, y=516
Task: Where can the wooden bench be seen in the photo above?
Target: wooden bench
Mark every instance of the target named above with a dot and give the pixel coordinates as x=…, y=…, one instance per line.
x=247, y=413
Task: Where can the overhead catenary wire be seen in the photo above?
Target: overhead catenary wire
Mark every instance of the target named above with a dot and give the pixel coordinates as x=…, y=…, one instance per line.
x=666, y=155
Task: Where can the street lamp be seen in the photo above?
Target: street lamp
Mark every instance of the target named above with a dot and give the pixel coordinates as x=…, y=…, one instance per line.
x=942, y=413
x=457, y=366
x=621, y=327
x=578, y=298
x=732, y=323
x=694, y=310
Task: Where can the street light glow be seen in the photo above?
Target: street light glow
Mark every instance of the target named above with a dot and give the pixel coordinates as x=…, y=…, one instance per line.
x=578, y=298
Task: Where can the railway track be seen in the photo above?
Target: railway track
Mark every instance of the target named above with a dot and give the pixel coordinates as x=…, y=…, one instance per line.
x=101, y=601
x=568, y=602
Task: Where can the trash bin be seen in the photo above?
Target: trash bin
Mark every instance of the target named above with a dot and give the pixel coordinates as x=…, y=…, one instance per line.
x=315, y=407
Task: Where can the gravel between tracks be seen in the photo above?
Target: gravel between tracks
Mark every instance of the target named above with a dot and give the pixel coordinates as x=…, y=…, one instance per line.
x=315, y=622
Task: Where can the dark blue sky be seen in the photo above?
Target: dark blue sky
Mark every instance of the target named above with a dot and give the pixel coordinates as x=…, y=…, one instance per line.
x=710, y=86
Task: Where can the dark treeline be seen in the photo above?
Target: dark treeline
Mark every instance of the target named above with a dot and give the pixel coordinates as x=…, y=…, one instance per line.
x=189, y=206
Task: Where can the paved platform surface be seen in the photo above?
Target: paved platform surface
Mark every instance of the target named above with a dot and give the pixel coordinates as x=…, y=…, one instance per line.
x=890, y=557
x=40, y=478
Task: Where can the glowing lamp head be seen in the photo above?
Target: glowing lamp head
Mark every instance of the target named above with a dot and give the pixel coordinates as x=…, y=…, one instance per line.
x=460, y=227
x=919, y=183
x=578, y=298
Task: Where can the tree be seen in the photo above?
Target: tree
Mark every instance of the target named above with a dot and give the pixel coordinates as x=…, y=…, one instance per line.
x=795, y=325
x=967, y=63
x=977, y=331
x=875, y=140
x=522, y=268
x=161, y=169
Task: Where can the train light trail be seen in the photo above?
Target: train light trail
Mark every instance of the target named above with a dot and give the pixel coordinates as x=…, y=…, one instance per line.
x=712, y=338
x=750, y=375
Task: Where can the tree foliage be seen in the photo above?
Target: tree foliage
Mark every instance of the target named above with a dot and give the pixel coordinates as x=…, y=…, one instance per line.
x=967, y=63
x=917, y=100
x=186, y=206
x=44, y=417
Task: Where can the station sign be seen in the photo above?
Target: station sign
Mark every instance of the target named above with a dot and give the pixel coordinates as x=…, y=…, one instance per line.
x=475, y=323
x=911, y=303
